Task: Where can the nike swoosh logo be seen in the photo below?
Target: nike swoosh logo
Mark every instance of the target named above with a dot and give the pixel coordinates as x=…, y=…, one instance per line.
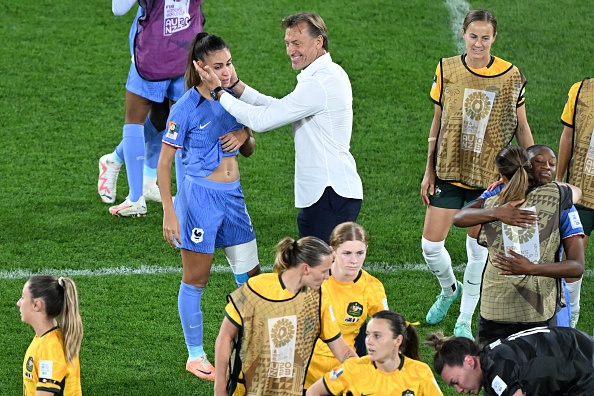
x=204, y=126
x=471, y=283
x=193, y=327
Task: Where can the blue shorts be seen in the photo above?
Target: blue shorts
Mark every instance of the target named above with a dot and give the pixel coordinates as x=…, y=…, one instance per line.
x=155, y=91
x=212, y=215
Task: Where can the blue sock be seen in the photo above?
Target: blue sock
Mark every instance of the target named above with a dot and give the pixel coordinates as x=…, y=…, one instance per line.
x=240, y=279
x=133, y=142
x=149, y=172
x=180, y=170
x=118, y=153
x=188, y=304
x=152, y=145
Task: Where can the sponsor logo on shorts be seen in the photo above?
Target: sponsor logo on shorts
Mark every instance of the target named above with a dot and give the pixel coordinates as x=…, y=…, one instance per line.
x=197, y=235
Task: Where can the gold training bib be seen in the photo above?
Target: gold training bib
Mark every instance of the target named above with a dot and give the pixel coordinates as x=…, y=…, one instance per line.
x=581, y=165
x=528, y=298
x=478, y=119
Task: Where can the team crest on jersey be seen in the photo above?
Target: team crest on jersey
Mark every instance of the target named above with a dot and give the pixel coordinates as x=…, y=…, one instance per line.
x=408, y=392
x=172, y=130
x=29, y=365
x=197, y=235
x=355, y=309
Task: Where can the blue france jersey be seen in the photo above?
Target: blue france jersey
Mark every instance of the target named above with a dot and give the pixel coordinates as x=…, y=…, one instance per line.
x=195, y=125
x=134, y=29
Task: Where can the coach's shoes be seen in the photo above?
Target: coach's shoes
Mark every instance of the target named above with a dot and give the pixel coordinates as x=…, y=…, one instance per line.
x=130, y=209
x=151, y=192
x=463, y=329
x=108, y=178
x=201, y=368
x=440, y=307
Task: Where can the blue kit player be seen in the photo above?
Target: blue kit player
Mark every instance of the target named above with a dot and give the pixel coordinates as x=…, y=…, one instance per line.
x=209, y=210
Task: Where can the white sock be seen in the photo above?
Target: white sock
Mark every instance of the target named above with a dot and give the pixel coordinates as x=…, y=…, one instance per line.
x=149, y=181
x=574, y=295
x=477, y=257
x=439, y=262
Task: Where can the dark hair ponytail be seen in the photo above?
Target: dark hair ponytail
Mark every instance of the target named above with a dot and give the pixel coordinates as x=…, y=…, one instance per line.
x=450, y=350
x=399, y=326
x=202, y=45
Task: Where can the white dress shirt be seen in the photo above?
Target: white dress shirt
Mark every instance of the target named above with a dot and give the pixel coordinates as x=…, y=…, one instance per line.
x=320, y=110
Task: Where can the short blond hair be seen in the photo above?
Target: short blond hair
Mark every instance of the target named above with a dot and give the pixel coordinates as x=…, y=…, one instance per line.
x=315, y=24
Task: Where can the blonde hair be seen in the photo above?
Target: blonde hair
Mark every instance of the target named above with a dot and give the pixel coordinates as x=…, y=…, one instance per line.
x=315, y=25
x=345, y=232
x=60, y=298
x=290, y=253
x=513, y=163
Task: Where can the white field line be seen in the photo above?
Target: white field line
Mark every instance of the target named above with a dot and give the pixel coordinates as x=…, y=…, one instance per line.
x=374, y=268
x=458, y=10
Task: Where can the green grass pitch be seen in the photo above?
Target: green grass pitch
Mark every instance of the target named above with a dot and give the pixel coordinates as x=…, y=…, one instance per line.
x=62, y=79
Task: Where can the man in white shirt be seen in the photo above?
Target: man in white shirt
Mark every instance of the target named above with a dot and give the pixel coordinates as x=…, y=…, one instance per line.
x=328, y=188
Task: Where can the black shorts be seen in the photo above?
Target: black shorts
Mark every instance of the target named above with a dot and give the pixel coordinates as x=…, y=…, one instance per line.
x=490, y=330
x=450, y=196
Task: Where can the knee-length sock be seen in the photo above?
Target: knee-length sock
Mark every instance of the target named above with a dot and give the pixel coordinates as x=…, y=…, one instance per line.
x=477, y=258
x=188, y=305
x=133, y=141
x=152, y=147
x=439, y=262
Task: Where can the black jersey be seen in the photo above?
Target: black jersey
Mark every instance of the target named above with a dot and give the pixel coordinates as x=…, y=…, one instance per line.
x=540, y=361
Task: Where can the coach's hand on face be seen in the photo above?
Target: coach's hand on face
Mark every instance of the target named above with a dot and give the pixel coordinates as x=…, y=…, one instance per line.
x=208, y=76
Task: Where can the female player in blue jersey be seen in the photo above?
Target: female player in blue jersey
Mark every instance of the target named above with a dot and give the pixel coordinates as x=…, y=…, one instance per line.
x=159, y=39
x=209, y=211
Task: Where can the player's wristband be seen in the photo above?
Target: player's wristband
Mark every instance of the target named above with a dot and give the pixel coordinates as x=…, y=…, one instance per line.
x=234, y=84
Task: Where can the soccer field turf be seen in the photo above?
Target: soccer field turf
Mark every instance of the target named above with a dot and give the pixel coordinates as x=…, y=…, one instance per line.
x=63, y=70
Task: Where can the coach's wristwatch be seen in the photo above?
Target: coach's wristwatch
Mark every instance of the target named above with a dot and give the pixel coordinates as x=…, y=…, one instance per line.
x=214, y=94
